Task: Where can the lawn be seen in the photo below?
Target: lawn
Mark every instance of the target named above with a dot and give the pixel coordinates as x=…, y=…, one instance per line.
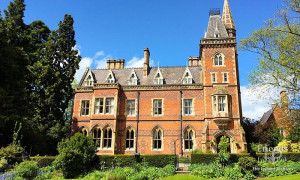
x=190, y=177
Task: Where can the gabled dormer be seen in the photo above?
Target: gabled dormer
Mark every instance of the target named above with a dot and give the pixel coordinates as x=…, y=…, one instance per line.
x=158, y=78
x=133, y=79
x=187, y=77
x=89, y=79
x=110, y=77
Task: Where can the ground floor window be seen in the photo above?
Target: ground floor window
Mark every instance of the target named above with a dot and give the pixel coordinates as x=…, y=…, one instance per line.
x=107, y=138
x=129, y=139
x=97, y=135
x=188, y=139
x=157, y=139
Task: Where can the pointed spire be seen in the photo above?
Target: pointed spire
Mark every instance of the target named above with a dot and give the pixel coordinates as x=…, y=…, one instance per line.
x=227, y=16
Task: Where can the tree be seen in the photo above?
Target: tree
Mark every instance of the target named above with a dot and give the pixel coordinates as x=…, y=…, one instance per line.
x=278, y=45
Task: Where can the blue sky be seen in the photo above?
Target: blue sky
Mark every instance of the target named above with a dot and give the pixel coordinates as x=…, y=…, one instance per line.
x=171, y=29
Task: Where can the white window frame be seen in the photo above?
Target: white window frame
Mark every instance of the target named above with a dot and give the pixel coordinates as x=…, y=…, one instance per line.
x=130, y=139
x=155, y=141
x=129, y=107
x=99, y=106
x=190, y=108
x=110, y=105
x=105, y=142
x=154, y=107
x=227, y=77
x=83, y=103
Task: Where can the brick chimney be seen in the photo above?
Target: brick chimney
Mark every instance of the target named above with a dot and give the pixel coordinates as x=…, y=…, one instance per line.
x=146, y=62
x=115, y=64
x=194, y=61
x=284, y=101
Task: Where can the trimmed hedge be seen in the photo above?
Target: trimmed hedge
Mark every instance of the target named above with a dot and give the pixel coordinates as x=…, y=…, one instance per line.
x=43, y=161
x=290, y=156
x=209, y=158
x=160, y=160
x=117, y=160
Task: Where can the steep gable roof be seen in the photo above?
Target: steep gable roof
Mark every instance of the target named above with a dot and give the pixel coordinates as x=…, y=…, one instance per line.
x=216, y=26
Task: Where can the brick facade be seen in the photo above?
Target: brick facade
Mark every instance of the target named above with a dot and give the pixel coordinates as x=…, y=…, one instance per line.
x=214, y=109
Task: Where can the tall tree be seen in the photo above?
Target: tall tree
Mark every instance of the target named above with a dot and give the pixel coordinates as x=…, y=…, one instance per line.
x=278, y=47
x=13, y=62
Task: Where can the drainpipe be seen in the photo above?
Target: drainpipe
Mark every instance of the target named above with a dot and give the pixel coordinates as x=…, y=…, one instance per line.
x=181, y=151
x=137, y=122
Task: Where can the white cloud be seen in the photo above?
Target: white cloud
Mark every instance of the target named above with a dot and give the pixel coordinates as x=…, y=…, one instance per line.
x=101, y=64
x=84, y=63
x=137, y=62
x=257, y=101
x=99, y=54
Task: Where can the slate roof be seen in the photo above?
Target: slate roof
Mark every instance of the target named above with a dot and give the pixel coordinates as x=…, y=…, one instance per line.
x=266, y=116
x=172, y=75
x=216, y=26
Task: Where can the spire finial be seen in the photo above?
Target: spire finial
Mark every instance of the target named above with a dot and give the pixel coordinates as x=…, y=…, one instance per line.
x=227, y=16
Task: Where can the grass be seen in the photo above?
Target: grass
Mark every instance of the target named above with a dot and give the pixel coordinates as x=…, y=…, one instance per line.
x=287, y=177
x=183, y=176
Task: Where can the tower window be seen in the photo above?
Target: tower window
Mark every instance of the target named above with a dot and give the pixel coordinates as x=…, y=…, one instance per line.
x=221, y=103
x=217, y=35
x=218, y=60
x=225, y=77
x=213, y=78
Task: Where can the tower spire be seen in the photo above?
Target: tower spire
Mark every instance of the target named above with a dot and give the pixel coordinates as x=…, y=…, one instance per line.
x=227, y=19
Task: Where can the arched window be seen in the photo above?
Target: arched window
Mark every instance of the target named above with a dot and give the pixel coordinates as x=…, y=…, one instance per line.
x=218, y=60
x=157, y=139
x=107, y=138
x=129, y=139
x=97, y=135
x=188, y=139
x=84, y=131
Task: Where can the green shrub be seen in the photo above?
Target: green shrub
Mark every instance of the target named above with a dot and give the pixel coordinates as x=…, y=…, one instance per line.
x=232, y=172
x=76, y=155
x=109, y=161
x=3, y=165
x=43, y=161
x=27, y=169
x=223, y=144
x=207, y=171
x=95, y=175
x=278, y=168
x=249, y=176
x=223, y=159
x=247, y=163
x=203, y=158
x=10, y=153
x=46, y=173
x=197, y=151
x=160, y=160
x=184, y=160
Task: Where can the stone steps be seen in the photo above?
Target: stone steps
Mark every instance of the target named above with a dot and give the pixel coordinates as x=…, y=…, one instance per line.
x=182, y=168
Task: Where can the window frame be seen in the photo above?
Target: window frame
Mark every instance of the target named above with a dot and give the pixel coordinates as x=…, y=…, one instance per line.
x=111, y=107
x=190, y=140
x=99, y=133
x=217, y=58
x=129, y=108
x=155, y=141
x=130, y=139
x=107, y=140
x=214, y=77
x=82, y=108
x=99, y=106
x=227, y=77
x=153, y=107
x=190, y=108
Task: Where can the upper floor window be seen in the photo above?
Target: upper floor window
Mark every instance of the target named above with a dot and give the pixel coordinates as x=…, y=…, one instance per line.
x=131, y=107
x=99, y=106
x=129, y=139
x=89, y=81
x=107, y=138
x=187, y=78
x=225, y=77
x=110, y=78
x=157, y=107
x=188, y=107
x=188, y=139
x=157, y=139
x=85, y=108
x=217, y=35
x=109, y=106
x=133, y=80
x=213, y=78
x=158, y=78
x=219, y=103
x=218, y=60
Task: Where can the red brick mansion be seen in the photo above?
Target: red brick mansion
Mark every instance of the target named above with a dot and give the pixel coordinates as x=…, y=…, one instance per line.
x=166, y=110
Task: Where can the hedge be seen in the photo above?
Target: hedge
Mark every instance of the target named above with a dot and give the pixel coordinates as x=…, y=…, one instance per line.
x=129, y=160
x=43, y=161
x=209, y=158
x=289, y=156
x=159, y=160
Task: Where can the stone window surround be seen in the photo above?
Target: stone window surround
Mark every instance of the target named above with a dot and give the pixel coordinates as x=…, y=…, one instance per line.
x=183, y=139
x=193, y=107
x=102, y=138
x=130, y=128
x=218, y=54
x=162, y=107
x=81, y=104
x=135, y=107
x=157, y=128
x=216, y=77
x=104, y=105
x=217, y=102
x=223, y=77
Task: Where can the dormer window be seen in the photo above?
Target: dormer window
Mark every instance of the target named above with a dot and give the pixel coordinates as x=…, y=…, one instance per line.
x=110, y=78
x=158, y=78
x=133, y=80
x=218, y=60
x=187, y=77
x=89, y=81
x=217, y=35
